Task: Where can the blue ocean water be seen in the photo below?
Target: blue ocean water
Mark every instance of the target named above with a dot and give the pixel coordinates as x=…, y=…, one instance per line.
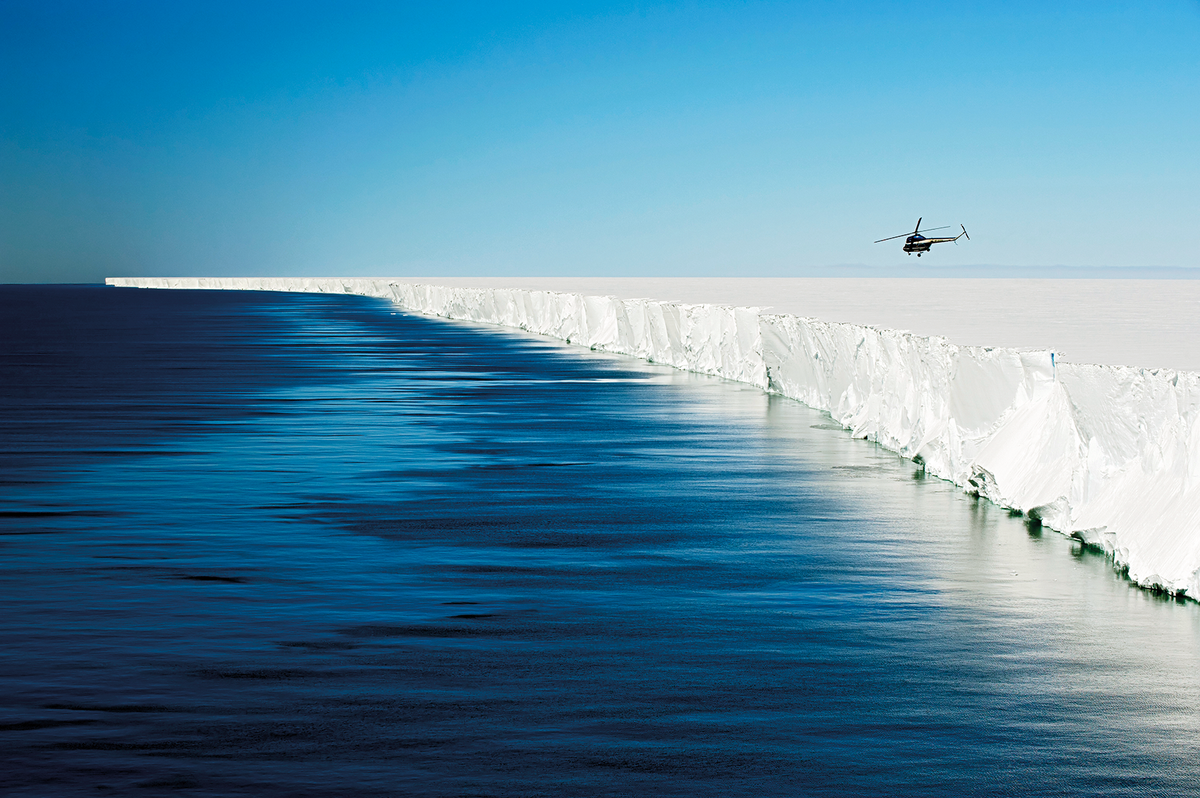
x=287, y=544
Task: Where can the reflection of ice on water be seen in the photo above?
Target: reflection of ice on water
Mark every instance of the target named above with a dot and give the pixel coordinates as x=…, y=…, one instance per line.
x=372, y=580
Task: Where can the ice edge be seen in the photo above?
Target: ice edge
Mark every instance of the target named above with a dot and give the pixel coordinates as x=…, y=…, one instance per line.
x=1105, y=454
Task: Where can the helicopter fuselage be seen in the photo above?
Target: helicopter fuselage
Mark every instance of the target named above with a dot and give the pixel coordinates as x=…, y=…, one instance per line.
x=919, y=244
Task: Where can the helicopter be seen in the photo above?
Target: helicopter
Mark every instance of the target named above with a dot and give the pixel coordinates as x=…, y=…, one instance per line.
x=915, y=242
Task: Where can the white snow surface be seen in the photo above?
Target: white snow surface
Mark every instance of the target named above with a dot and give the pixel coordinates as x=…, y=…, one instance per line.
x=1106, y=453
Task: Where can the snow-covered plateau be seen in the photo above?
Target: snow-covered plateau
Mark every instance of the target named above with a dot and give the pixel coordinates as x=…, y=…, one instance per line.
x=1109, y=454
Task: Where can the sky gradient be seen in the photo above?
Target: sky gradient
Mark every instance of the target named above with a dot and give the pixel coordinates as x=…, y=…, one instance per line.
x=660, y=139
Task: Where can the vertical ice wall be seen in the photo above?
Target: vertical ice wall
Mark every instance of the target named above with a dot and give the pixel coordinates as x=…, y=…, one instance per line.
x=1110, y=455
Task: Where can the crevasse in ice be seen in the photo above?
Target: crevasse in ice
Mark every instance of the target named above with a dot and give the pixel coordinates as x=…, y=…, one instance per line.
x=1108, y=454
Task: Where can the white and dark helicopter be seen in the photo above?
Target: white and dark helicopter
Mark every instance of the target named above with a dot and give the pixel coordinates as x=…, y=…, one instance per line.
x=915, y=242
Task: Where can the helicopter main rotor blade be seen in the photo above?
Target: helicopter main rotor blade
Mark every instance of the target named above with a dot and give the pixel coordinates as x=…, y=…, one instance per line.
x=915, y=232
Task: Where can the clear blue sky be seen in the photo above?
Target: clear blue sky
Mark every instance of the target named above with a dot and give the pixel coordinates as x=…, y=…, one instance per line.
x=662, y=139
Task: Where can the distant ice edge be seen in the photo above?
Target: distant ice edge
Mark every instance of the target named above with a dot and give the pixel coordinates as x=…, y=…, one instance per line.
x=1109, y=455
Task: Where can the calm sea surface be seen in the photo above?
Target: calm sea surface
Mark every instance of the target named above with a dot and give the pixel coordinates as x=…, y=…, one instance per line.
x=287, y=544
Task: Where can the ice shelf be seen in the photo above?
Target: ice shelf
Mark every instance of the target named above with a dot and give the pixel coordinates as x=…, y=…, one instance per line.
x=1107, y=454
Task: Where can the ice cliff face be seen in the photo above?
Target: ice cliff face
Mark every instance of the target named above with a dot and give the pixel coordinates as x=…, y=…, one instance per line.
x=1110, y=455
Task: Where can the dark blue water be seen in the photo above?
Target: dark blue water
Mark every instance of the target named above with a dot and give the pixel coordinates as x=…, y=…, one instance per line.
x=271, y=544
